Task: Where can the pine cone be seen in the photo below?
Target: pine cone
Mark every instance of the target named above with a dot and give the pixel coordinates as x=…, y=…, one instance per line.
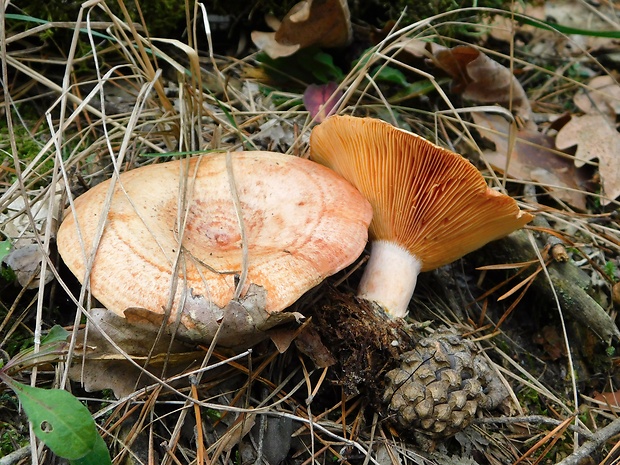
x=439, y=386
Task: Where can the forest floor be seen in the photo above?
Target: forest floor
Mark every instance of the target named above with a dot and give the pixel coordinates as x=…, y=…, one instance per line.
x=530, y=96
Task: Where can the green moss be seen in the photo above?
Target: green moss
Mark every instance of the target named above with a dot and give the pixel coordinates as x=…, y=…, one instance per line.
x=530, y=398
x=11, y=439
x=27, y=149
x=162, y=17
x=26, y=145
x=7, y=274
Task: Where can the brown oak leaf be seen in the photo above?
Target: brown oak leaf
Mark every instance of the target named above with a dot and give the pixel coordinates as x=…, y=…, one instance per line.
x=533, y=158
x=595, y=137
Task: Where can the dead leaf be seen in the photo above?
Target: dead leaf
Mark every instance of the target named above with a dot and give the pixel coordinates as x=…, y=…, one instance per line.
x=105, y=368
x=237, y=431
x=282, y=337
x=608, y=400
x=579, y=15
x=25, y=260
x=551, y=341
x=420, y=48
x=544, y=42
x=481, y=79
x=503, y=27
x=321, y=100
x=595, y=137
x=533, y=159
x=275, y=434
x=322, y=23
x=602, y=96
x=309, y=342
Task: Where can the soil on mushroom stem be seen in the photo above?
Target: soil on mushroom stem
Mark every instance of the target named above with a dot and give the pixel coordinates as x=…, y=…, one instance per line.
x=364, y=340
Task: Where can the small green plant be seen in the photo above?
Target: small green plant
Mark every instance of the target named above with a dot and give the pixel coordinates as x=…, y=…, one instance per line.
x=611, y=270
x=310, y=64
x=5, y=249
x=58, y=419
x=530, y=397
x=10, y=438
x=5, y=272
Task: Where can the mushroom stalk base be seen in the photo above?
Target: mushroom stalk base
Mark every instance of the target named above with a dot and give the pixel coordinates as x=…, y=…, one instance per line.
x=390, y=277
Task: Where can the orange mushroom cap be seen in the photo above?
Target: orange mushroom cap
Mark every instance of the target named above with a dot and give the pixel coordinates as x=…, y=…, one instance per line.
x=432, y=201
x=302, y=222
x=426, y=199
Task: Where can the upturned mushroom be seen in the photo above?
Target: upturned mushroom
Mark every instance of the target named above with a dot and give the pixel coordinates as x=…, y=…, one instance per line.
x=222, y=239
x=430, y=206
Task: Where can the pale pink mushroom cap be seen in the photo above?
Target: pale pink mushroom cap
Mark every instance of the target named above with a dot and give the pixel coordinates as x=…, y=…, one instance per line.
x=303, y=223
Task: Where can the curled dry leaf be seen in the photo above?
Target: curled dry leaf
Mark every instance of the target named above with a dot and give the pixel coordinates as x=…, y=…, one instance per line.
x=533, y=158
x=503, y=27
x=541, y=41
x=595, y=137
x=481, y=79
x=322, y=23
x=15, y=221
x=309, y=342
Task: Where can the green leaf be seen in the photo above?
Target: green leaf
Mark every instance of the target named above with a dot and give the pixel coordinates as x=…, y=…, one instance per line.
x=413, y=90
x=53, y=346
x=56, y=334
x=329, y=71
x=61, y=421
x=5, y=249
x=306, y=65
x=389, y=74
x=565, y=29
x=99, y=455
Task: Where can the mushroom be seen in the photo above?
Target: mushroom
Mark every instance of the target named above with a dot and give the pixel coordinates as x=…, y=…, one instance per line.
x=323, y=23
x=430, y=205
x=245, y=237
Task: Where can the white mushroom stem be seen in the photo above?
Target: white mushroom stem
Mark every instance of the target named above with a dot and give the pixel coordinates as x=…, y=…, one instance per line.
x=390, y=277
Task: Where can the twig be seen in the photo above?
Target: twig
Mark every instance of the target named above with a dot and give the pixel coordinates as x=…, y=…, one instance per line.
x=534, y=419
x=569, y=281
x=15, y=456
x=594, y=444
